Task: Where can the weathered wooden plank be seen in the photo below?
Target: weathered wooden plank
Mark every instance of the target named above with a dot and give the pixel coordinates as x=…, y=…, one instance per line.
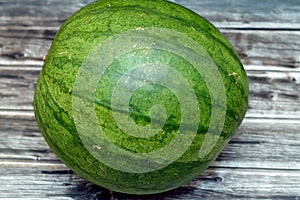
x=17, y=88
x=279, y=48
x=255, y=47
x=272, y=93
x=36, y=26
x=37, y=13
x=263, y=144
x=220, y=183
x=258, y=143
x=21, y=139
x=249, y=183
x=249, y=14
x=240, y=14
x=23, y=48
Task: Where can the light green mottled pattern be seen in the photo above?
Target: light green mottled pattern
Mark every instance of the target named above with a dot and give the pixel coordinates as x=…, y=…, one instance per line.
x=79, y=36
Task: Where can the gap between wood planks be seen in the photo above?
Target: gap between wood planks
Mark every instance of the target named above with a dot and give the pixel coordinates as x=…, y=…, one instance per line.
x=248, y=119
x=35, y=65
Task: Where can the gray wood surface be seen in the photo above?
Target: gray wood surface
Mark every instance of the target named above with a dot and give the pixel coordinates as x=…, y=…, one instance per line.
x=261, y=161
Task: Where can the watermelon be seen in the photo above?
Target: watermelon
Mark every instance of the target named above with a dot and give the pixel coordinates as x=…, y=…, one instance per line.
x=139, y=97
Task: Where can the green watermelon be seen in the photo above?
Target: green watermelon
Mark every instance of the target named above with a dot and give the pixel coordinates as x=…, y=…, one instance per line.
x=139, y=97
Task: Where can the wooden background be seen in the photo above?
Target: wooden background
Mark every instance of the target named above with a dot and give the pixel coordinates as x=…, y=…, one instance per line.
x=261, y=161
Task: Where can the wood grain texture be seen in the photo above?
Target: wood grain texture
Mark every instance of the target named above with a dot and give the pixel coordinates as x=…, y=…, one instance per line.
x=249, y=14
x=262, y=161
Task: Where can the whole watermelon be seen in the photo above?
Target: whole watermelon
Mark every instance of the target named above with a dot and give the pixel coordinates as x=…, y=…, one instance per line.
x=139, y=96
